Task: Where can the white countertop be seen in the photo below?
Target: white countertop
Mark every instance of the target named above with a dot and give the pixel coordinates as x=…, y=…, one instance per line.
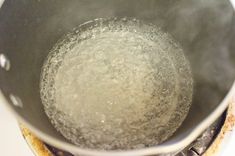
x=12, y=142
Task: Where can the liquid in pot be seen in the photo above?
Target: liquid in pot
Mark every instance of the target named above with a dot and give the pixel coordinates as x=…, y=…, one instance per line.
x=116, y=84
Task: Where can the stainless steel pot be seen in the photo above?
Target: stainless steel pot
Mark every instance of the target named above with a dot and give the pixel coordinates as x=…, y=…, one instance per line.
x=205, y=29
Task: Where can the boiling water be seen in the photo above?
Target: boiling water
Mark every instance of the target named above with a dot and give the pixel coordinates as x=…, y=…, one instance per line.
x=116, y=84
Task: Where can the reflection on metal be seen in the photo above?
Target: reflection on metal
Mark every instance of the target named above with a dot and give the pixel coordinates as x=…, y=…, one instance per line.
x=16, y=101
x=4, y=62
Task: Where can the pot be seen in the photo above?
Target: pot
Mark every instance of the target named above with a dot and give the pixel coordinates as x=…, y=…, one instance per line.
x=204, y=28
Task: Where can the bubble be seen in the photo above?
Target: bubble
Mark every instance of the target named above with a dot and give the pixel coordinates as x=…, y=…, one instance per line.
x=116, y=84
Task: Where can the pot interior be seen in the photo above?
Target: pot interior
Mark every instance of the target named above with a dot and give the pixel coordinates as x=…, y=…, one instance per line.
x=205, y=30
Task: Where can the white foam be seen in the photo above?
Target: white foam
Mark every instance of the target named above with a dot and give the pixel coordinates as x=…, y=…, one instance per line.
x=116, y=84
